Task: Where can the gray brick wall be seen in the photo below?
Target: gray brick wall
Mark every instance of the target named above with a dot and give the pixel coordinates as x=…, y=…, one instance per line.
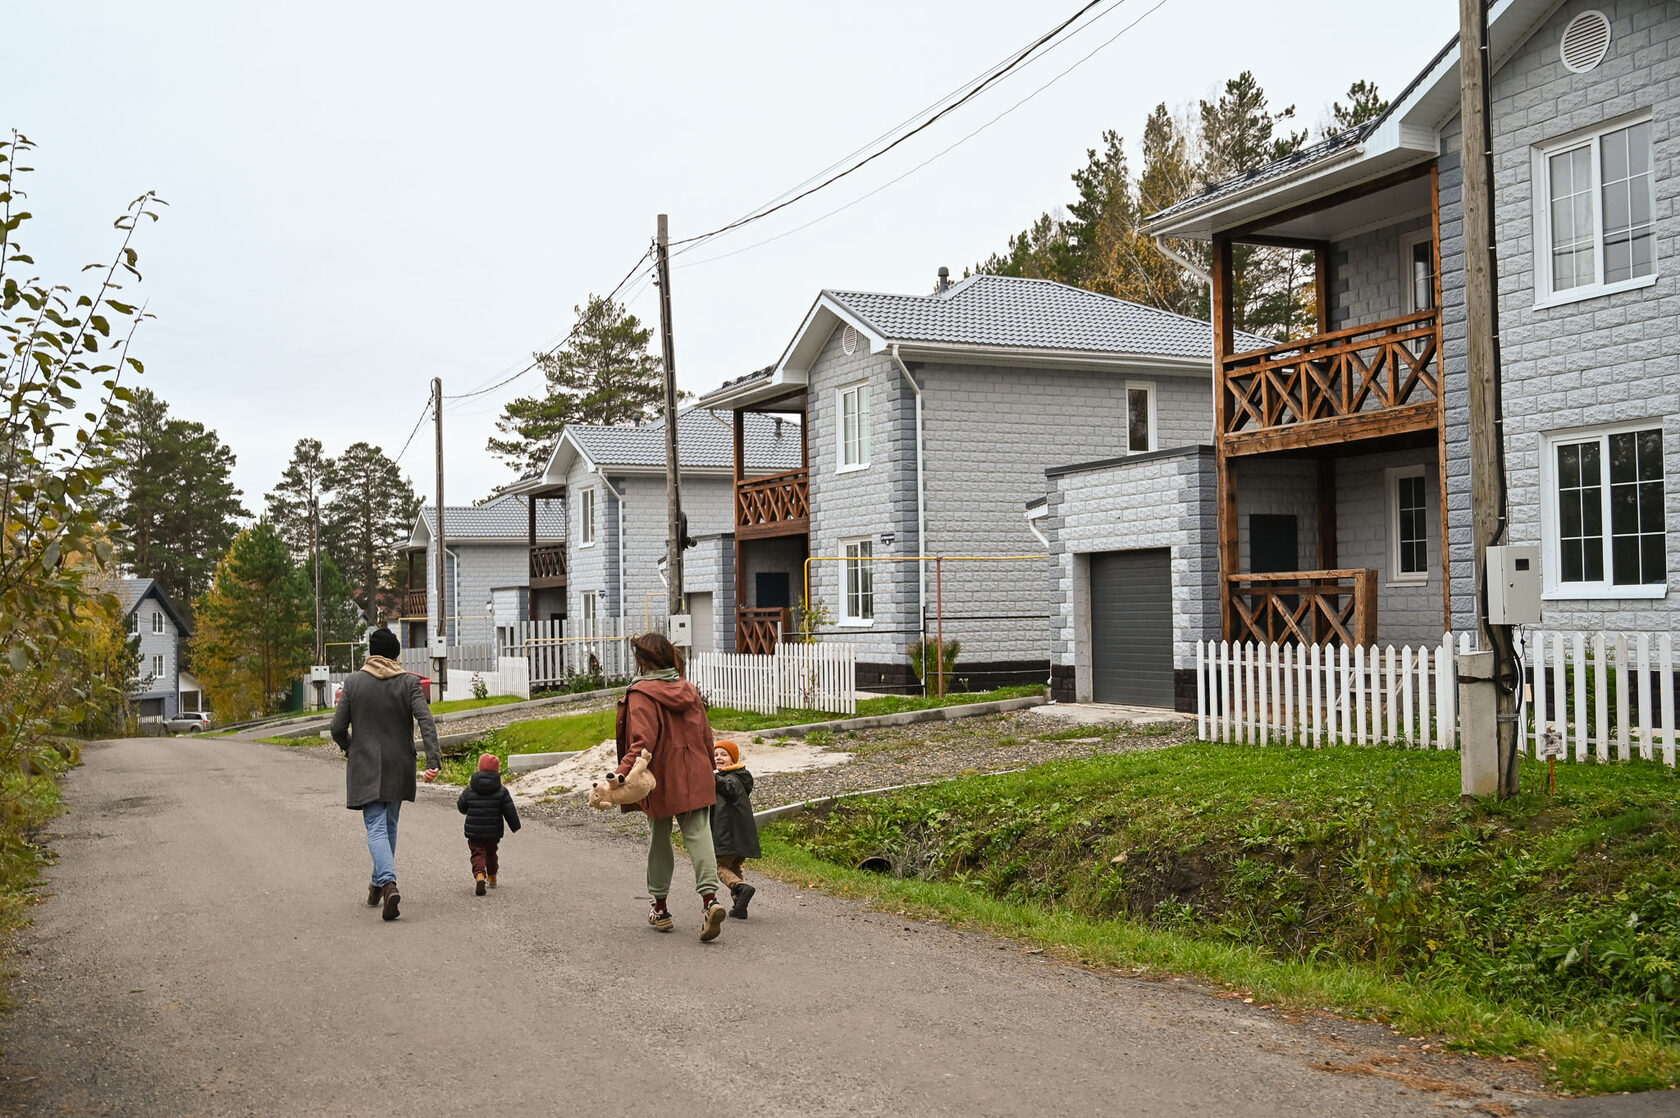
x=1406, y=613
x=1165, y=500
x=1279, y=487
x=1371, y=275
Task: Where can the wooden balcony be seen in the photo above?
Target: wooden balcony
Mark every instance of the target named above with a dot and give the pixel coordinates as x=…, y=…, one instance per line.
x=1364, y=382
x=414, y=603
x=548, y=567
x=776, y=505
x=1304, y=607
x=757, y=630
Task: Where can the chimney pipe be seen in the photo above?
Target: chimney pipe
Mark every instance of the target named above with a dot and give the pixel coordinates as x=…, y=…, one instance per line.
x=944, y=283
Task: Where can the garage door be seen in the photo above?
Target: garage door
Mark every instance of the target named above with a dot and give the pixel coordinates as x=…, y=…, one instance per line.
x=1131, y=628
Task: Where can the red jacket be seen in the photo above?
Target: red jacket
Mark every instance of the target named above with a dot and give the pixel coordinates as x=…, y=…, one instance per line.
x=668, y=717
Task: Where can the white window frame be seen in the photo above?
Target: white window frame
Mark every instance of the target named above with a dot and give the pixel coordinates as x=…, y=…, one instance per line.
x=135, y=619
x=586, y=517
x=589, y=613
x=1551, y=563
x=1154, y=428
x=1392, y=478
x=157, y=621
x=842, y=465
x=1408, y=247
x=158, y=666
x=865, y=566
x=1544, y=295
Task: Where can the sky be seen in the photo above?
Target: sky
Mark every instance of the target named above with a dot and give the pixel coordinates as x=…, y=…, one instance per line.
x=364, y=196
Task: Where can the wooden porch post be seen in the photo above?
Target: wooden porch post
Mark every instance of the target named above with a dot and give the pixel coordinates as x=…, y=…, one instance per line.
x=1226, y=483
x=1321, y=285
x=740, y=544
x=1327, y=514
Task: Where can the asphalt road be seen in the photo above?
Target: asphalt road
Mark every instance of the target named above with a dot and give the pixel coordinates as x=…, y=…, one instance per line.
x=207, y=951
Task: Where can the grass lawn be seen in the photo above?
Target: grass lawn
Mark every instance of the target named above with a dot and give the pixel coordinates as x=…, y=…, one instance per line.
x=730, y=720
x=312, y=739
x=1347, y=878
x=474, y=704
x=564, y=734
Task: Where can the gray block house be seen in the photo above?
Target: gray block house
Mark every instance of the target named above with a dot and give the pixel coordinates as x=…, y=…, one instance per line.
x=611, y=483
x=161, y=630
x=932, y=420
x=1341, y=465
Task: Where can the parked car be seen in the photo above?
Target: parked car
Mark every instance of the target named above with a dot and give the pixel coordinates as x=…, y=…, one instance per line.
x=188, y=722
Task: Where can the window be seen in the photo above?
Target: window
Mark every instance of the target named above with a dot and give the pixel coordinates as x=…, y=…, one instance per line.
x=134, y=622
x=1596, y=229
x=586, y=517
x=853, y=413
x=1417, y=261
x=157, y=666
x=1408, y=525
x=1140, y=418
x=860, y=583
x=157, y=621
x=1605, y=524
x=586, y=615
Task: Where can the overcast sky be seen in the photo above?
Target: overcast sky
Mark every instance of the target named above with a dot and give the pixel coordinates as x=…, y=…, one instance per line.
x=364, y=196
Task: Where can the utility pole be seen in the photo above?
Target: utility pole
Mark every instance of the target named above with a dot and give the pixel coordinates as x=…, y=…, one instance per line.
x=315, y=555
x=440, y=648
x=673, y=484
x=1489, y=757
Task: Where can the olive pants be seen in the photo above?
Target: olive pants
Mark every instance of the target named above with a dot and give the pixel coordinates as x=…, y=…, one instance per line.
x=696, y=827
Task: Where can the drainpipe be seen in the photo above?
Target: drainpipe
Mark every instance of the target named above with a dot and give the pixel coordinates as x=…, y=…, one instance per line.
x=921, y=496
x=455, y=594
x=1206, y=277
x=623, y=607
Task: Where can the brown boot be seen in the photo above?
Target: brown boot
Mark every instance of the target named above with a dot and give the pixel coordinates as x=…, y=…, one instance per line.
x=373, y=896
x=478, y=887
x=492, y=881
x=388, y=893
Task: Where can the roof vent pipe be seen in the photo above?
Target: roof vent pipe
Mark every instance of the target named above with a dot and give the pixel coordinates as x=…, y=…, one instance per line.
x=944, y=283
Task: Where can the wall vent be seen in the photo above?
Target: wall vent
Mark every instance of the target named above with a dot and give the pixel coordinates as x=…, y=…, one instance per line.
x=1585, y=40
x=848, y=340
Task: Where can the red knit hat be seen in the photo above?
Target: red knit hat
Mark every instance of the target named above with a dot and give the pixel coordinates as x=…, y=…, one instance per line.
x=489, y=763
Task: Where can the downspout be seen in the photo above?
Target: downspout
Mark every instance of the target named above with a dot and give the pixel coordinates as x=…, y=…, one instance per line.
x=619, y=499
x=921, y=495
x=1195, y=269
x=455, y=595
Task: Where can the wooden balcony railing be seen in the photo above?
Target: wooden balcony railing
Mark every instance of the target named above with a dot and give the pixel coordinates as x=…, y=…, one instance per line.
x=777, y=505
x=414, y=603
x=1305, y=607
x=1363, y=382
x=548, y=566
x=758, y=630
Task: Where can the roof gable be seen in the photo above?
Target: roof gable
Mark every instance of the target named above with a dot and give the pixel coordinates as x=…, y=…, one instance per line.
x=131, y=592
x=504, y=517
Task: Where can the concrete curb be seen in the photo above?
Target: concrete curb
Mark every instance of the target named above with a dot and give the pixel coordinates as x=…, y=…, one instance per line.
x=531, y=762
x=770, y=813
x=902, y=718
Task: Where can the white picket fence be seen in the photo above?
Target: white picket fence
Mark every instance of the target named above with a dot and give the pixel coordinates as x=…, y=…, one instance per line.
x=795, y=677
x=1262, y=694
x=559, y=650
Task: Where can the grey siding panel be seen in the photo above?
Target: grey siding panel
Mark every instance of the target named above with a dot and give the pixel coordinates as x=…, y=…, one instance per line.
x=1131, y=628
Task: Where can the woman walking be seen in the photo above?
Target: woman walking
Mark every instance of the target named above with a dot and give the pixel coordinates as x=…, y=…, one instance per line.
x=664, y=714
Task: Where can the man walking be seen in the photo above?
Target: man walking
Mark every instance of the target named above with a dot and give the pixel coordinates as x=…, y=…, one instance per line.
x=382, y=702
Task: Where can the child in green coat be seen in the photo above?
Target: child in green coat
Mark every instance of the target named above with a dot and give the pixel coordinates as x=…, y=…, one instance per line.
x=734, y=831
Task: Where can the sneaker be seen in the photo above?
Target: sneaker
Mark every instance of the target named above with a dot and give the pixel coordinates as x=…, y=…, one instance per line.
x=492, y=881
x=388, y=893
x=478, y=887
x=712, y=922
x=743, y=894
x=660, y=919
x=373, y=896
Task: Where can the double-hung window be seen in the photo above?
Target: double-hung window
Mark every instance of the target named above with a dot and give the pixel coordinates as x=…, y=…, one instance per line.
x=1140, y=418
x=1417, y=261
x=586, y=517
x=1408, y=525
x=157, y=666
x=860, y=582
x=852, y=411
x=1595, y=215
x=157, y=621
x=1606, y=532
x=586, y=616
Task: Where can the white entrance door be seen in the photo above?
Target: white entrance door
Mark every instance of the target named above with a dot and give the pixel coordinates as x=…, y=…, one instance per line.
x=700, y=609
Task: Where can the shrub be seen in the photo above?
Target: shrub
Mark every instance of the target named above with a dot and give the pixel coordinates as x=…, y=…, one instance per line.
x=923, y=653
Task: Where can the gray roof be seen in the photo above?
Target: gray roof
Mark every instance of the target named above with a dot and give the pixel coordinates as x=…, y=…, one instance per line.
x=1014, y=313
x=502, y=518
x=704, y=441
x=1277, y=169
x=130, y=592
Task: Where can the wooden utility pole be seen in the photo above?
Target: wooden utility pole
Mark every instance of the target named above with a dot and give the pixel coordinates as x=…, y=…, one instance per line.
x=673, y=483
x=315, y=556
x=440, y=663
x=1485, y=763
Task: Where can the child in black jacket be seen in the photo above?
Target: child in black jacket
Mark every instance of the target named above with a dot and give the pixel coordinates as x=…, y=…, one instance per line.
x=734, y=831
x=486, y=804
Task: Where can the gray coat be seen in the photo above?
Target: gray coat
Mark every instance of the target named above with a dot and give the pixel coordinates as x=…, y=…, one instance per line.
x=381, y=750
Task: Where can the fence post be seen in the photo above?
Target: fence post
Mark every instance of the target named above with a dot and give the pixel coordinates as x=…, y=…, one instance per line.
x=1665, y=663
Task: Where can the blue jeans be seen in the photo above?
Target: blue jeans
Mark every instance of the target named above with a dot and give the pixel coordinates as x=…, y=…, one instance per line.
x=381, y=821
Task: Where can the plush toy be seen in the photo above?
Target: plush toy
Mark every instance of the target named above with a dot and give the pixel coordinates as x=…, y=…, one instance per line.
x=630, y=789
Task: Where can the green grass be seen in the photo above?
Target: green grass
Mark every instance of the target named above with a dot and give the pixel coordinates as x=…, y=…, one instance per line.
x=474, y=704
x=29, y=802
x=730, y=720
x=312, y=739
x=567, y=733
x=1354, y=879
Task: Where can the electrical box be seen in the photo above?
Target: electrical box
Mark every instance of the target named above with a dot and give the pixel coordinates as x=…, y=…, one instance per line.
x=680, y=629
x=1513, y=585
x=320, y=673
x=437, y=647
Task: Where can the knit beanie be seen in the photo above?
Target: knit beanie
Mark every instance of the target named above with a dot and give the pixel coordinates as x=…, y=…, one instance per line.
x=383, y=642
x=489, y=763
x=729, y=747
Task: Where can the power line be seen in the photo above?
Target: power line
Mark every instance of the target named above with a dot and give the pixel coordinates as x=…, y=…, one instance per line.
x=991, y=79
x=936, y=155
x=424, y=412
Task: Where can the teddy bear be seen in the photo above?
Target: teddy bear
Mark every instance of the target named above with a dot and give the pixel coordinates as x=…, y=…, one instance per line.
x=632, y=788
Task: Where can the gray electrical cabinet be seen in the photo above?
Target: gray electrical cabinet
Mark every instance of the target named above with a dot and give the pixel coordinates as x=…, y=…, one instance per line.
x=1513, y=585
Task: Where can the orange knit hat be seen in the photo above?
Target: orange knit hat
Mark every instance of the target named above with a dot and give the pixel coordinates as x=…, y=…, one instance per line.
x=730, y=748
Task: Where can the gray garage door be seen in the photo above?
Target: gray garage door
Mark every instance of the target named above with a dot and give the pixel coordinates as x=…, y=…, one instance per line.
x=1131, y=628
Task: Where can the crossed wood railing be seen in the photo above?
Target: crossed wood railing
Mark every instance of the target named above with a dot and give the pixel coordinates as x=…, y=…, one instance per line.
x=1305, y=607
x=1382, y=378
x=779, y=504
x=548, y=566
x=414, y=603
x=759, y=630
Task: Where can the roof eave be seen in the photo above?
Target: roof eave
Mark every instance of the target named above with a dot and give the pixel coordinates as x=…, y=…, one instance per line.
x=956, y=353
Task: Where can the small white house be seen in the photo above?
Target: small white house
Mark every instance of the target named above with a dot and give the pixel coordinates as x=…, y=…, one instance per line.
x=162, y=631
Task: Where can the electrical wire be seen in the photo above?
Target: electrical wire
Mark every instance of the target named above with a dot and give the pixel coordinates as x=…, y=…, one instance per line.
x=997, y=75
x=424, y=412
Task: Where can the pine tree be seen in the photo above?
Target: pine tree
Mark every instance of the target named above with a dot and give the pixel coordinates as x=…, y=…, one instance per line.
x=369, y=515
x=603, y=375
x=253, y=632
x=1364, y=104
x=302, y=483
